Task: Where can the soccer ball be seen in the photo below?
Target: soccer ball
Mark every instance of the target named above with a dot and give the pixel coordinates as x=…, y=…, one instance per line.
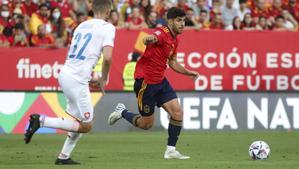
x=259, y=150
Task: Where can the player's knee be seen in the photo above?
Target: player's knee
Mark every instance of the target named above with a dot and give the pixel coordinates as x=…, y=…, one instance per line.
x=74, y=136
x=85, y=127
x=177, y=115
x=147, y=126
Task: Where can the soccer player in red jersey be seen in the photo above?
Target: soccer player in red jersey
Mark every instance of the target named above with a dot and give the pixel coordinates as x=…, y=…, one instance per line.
x=152, y=88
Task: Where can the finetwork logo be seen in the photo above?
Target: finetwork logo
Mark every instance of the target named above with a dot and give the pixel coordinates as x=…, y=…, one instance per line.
x=29, y=70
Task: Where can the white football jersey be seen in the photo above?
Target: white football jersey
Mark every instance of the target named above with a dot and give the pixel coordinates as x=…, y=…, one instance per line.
x=87, y=43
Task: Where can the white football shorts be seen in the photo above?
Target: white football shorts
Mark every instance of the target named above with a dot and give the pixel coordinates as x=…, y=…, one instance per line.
x=78, y=97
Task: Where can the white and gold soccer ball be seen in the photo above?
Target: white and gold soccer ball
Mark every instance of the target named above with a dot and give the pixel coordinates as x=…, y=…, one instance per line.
x=259, y=150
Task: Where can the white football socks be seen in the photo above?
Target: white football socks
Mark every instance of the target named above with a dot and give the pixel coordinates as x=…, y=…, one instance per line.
x=170, y=148
x=69, y=145
x=60, y=123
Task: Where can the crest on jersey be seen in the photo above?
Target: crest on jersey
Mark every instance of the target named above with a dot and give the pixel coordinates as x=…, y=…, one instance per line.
x=86, y=115
x=158, y=33
x=146, y=108
x=165, y=29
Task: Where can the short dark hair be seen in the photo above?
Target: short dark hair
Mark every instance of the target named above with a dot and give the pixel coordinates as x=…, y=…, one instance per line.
x=43, y=5
x=175, y=12
x=279, y=17
x=100, y=6
x=203, y=11
x=19, y=26
x=242, y=1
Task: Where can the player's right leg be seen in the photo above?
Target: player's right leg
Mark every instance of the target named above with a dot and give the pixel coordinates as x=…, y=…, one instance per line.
x=36, y=121
x=143, y=122
x=146, y=106
x=77, y=124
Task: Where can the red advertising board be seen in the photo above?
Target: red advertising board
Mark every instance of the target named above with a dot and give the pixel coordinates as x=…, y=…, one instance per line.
x=226, y=61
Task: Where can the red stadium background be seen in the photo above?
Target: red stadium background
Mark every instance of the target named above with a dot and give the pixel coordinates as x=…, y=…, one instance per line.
x=226, y=61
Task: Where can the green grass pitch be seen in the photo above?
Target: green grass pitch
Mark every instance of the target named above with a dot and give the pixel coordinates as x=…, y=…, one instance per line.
x=144, y=150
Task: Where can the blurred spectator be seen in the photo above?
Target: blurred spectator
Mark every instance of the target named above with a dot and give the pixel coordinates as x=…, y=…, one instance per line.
x=161, y=7
x=17, y=7
x=71, y=28
x=152, y=21
x=248, y=23
x=141, y=14
x=215, y=10
x=279, y=24
x=135, y=21
x=217, y=23
x=46, y=2
x=89, y=5
x=65, y=8
x=276, y=8
x=41, y=17
x=42, y=39
x=121, y=8
x=243, y=9
x=236, y=25
x=81, y=6
x=289, y=21
x=80, y=17
x=199, y=6
x=17, y=18
x=114, y=19
x=3, y=40
x=190, y=20
x=145, y=8
x=183, y=5
x=228, y=12
x=161, y=21
x=203, y=20
x=59, y=28
x=260, y=10
x=130, y=9
x=6, y=24
x=30, y=7
x=19, y=38
x=293, y=8
x=262, y=24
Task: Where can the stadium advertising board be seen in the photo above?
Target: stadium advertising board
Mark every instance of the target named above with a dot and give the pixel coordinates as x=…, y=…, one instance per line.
x=202, y=110
x=217, y=111
x=226, y=61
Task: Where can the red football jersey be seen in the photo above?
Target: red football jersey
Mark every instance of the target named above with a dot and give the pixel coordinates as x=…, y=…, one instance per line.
x=152, y=64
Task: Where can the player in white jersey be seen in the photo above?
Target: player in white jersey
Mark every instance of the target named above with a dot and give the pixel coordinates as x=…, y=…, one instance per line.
x=90, y=39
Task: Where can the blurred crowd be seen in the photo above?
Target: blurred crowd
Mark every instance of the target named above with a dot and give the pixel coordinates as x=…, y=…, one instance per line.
x=50, y=23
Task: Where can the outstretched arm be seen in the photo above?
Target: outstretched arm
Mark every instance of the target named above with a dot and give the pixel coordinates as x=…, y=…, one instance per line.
x=172, y=62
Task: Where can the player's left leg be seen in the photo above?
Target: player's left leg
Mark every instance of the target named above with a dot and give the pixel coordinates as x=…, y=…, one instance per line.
x=167, y=99
x=174, y=129
x=68, y=147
